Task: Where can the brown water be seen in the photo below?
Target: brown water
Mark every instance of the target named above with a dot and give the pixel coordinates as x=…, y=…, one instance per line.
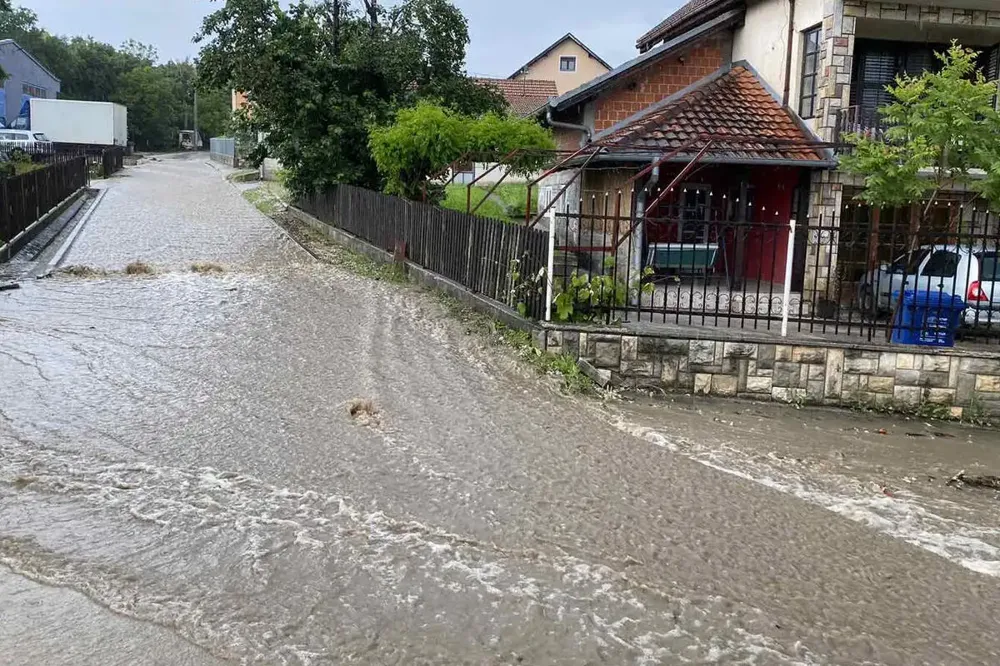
x=178, y=450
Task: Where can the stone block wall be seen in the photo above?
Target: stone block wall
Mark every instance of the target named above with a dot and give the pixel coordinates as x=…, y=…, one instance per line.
x=922, y=13
x=827, y=374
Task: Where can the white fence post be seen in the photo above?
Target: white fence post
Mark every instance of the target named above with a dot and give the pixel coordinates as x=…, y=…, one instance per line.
x=789, y=258
x=551, y=265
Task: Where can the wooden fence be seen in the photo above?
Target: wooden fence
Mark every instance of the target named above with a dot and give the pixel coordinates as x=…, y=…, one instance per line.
x=26, y=198
x=499, y=260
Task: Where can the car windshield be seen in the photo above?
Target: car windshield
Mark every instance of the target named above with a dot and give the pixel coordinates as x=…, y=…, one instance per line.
x=989, y=267
x=41, y=137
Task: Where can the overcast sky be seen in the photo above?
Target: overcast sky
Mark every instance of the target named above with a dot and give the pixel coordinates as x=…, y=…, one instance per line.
x=505, y=33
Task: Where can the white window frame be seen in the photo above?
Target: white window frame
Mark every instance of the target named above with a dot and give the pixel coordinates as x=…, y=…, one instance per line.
x=571, y=58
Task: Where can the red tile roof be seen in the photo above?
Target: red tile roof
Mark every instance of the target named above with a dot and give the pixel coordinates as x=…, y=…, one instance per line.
x=733, y=104
x=524, y=96
x=689, y=15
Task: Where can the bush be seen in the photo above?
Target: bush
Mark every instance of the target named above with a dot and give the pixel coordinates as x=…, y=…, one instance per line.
x=426, y=138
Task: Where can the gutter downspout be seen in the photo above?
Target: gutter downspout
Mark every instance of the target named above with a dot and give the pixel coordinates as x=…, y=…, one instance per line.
x=788, y=56
x=570, y=126
x=640, y=225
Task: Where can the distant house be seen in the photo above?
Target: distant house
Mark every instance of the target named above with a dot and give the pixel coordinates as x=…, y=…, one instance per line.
x=568, y=62
x=27, y=77
x=239, y=100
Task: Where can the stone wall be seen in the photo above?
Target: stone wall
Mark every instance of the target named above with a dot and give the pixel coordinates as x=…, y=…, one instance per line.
x=814, y=373
x=921, y=13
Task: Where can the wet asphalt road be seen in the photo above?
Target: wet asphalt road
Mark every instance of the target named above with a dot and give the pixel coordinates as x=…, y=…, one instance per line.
x=179, y=472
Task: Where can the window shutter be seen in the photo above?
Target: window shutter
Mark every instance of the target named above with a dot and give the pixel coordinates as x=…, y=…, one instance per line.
x=993, y=64
x=920, y=59
x=878, y=69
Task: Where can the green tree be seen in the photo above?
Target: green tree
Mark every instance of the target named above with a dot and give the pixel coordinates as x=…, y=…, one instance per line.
x=151, y=97
x=426, y=138
x=320, y=73
x=214, y=112
x=944, y=133
x=5, y=9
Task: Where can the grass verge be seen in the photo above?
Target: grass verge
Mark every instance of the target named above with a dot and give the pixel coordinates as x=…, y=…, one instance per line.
x=563, y=366
x=975, y=414
x=270, y=198
x=333, y=253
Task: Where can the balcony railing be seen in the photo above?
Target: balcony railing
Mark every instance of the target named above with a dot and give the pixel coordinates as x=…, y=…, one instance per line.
x=859, y=120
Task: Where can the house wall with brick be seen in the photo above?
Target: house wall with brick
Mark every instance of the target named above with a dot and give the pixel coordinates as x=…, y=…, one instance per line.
x=662, y=78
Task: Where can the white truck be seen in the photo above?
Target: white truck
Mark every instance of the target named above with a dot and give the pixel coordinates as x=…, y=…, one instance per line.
x=76, y=122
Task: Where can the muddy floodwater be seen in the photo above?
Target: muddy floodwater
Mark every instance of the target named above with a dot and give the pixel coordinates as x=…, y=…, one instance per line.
x=182, y=482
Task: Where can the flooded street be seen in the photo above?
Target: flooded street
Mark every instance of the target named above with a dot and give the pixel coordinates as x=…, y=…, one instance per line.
x=182, y=482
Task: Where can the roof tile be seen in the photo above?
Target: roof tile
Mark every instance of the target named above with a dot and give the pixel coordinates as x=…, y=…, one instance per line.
x=524, y=96
x=687, y=12
x=734, y=104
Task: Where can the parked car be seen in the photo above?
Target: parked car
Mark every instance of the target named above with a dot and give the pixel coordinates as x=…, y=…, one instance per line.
x=973, y=274
x=32, y=143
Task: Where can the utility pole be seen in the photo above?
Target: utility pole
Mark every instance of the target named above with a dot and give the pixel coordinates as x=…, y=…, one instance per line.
x=197, y=134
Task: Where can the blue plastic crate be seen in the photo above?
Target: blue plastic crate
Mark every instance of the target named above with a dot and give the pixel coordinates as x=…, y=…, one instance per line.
x=927, y=319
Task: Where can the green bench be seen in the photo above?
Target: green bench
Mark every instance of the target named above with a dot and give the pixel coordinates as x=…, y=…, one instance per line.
x=686, y=258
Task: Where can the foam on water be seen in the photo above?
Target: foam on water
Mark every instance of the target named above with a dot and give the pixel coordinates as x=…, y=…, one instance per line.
x=410, y=564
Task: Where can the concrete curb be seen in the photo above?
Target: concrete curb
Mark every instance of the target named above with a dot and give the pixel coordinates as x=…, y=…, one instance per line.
x=423, y=276
x=64, y=248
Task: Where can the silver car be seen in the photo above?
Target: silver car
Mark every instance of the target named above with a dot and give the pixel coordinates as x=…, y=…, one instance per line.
x=971, y=273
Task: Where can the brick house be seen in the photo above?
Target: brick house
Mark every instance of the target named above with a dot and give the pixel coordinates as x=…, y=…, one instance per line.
x=823, y=65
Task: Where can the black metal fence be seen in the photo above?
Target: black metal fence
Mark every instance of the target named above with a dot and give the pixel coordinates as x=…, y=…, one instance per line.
x=501, y=261
x=861, y=274
x=112, y=161
x=106, y=160
x=26, y=198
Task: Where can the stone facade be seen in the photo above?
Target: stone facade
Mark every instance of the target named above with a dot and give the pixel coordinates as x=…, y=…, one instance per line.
x=840, y=22
x=903, y=11
x=825, y=374
x=840, y=26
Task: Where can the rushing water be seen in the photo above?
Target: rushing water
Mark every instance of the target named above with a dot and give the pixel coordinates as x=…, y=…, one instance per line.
x=178, y=449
